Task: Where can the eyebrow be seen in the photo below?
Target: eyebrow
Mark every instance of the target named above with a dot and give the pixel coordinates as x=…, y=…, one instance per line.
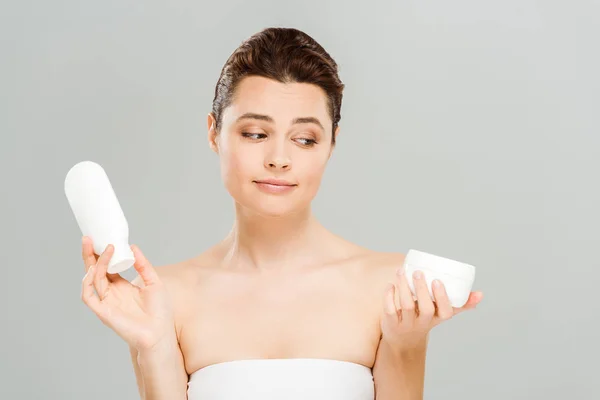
x=300, y=120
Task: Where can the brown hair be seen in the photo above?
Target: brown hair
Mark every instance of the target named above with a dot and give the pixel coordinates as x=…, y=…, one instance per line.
x=286, y=55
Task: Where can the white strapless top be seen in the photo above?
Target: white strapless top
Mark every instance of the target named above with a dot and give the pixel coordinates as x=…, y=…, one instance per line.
x=282, y=379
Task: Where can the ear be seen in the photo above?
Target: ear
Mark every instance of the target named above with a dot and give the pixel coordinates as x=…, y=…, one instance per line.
x=335, y=135
x=212, y=132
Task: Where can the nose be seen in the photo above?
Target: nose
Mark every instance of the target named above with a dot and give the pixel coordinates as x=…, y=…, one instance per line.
x=277, y=158
x=282, y=163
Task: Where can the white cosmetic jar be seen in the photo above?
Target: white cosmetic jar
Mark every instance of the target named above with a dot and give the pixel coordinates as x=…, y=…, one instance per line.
x=456, y=276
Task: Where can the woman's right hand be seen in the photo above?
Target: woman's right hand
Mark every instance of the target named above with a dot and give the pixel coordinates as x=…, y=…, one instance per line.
x=141, y=315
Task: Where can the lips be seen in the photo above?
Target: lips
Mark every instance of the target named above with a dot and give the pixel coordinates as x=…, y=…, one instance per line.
x=275, y=186
x=275, y=182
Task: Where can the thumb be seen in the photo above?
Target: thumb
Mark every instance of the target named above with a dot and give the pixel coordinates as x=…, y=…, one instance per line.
x=472, y=302
x=144, y=268
x=389, y=305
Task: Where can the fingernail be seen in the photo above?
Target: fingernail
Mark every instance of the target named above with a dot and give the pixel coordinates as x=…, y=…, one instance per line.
x=418, y=274
x=400, y=271
x=437, y=283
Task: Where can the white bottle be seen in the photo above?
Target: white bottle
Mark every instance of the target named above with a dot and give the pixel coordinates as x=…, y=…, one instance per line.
x=456, y=276
x=98, y=213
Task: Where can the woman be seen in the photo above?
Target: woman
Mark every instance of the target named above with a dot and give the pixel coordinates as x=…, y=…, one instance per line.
x=281, y=307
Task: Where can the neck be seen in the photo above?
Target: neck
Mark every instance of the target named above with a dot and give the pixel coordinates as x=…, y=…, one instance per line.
x=272, y=243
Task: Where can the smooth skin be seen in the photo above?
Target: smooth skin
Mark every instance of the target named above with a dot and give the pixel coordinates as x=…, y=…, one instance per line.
x=280, y=285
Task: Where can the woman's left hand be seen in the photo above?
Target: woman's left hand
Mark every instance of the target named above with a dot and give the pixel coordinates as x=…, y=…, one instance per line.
x=407, y=326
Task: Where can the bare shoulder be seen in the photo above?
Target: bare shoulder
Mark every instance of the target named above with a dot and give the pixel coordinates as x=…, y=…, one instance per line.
x=180, y=280
x=372, y=267
x=179, y=275
x=378, y=264
x=384, y=264
x=378, y=269
x=169, y=274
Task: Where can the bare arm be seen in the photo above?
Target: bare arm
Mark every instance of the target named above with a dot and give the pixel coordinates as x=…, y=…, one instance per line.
x=140, y=312
x=160, y=373
x=399, y=375
x=399, y=369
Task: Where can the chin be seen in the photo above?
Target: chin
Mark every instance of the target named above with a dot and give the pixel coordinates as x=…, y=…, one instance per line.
x=272, y=207
x=267, y=205
x=256, y=202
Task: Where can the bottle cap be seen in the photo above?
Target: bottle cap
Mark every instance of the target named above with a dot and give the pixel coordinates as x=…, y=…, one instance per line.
x=122, y=258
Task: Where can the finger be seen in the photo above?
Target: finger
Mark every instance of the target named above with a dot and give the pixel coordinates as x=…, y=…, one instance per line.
x=87, y=252
x=144, y=268
x=426, y=306
x=89, y=297
x=474, y=299
x=396, y=292
x=112, y=278
x=407, y=304
x=100, y=278
x=444, y=306
x=389, y=304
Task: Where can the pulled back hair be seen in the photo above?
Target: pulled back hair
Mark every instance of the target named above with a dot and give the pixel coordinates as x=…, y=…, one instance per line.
x=286, y=55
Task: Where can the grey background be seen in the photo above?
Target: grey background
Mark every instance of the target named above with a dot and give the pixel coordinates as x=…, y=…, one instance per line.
x=469, y=130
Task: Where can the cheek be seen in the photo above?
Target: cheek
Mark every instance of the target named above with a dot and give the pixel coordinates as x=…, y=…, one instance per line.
x=237, y=164
x=312, y=171
x=231, y=168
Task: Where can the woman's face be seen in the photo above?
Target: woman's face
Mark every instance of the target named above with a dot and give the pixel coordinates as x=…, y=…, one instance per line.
x=274, y=144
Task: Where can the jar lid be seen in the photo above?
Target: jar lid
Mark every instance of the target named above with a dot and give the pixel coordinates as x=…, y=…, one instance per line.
x=441, y=264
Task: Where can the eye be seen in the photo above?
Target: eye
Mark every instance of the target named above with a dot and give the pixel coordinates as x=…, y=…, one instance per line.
x=306, y=142
x=255, y=136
